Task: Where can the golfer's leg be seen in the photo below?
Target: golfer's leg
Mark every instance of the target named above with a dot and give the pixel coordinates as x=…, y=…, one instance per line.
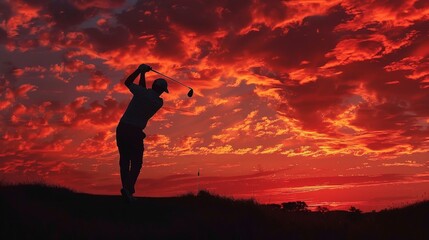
x=124, y=165
x=136, y=165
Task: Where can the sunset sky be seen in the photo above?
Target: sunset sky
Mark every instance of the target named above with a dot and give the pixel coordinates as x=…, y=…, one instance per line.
x=320, y=101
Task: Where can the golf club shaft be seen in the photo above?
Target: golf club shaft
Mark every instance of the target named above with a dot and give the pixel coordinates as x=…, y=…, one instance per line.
x=170, y=78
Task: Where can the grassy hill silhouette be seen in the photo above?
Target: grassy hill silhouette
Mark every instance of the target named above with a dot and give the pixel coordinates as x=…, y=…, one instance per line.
x=35, y=211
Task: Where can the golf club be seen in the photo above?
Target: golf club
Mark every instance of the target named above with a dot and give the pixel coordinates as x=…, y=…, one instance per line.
x=191, y=91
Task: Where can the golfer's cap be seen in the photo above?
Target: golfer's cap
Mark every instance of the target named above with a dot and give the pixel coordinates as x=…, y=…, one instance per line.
x=160, y=82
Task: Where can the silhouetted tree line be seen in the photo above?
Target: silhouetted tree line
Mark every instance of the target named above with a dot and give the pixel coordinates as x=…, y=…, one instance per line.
x=300, y=206
x=322, y=209
x=355, y=210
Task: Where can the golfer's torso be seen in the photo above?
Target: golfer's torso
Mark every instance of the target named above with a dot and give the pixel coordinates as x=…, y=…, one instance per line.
x=142, y=107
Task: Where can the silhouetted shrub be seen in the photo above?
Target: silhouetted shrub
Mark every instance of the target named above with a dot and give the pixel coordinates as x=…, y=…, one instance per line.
x=298, y=206
x=322, y=209
x=353, y=209
x=272, y=206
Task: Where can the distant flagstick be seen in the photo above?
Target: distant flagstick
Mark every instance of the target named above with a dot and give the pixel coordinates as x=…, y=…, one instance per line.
x=198, y=186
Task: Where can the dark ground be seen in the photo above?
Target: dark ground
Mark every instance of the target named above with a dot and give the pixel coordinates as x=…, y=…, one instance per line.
x=42, y=212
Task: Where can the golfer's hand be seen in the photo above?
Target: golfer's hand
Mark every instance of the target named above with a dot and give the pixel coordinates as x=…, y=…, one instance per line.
x=144, y=68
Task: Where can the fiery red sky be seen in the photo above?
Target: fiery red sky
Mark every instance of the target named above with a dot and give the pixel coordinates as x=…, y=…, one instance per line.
x=318, y=101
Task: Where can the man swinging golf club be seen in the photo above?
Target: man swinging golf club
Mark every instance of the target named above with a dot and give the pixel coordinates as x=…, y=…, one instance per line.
x=129, y=132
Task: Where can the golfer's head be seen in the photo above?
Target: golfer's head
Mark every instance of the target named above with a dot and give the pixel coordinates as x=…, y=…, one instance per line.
x=160, y=85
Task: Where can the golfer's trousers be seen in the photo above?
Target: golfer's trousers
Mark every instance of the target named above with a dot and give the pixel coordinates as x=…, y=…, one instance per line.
x=129, y=140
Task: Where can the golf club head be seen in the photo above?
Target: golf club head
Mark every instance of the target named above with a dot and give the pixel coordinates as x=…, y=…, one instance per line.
x=191, y=92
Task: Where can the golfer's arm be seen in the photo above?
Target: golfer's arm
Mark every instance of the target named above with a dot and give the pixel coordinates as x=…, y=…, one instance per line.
x=132, y=77
x=142, y=81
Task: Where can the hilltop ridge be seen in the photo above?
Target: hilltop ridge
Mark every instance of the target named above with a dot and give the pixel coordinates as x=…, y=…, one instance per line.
x=46, y=212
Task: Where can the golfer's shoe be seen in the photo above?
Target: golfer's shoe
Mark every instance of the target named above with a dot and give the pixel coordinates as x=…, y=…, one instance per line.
x=127, y=195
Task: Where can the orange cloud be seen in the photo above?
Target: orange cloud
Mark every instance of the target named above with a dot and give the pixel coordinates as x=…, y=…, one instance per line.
x=103, y=143
x=371, y=47
x=97, y=82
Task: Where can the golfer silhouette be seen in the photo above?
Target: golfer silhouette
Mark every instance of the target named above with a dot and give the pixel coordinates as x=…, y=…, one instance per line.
x=129, y=132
